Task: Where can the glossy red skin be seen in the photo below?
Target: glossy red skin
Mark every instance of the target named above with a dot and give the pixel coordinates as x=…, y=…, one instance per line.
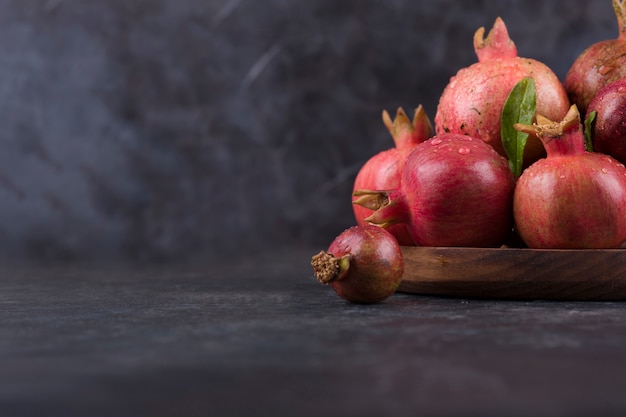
x=458, y=192
x=572, y=202
x=597, y=66
x=472, y=102
x=376, y=264
x=609, y=129
x=382, y=172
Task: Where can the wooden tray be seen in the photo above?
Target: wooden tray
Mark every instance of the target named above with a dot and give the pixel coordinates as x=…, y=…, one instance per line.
x=523, y=274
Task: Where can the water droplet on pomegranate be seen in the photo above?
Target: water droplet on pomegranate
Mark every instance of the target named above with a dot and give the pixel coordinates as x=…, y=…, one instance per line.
x=604, y=170
x=436, y=141
x=562, y=176
x=463, y=151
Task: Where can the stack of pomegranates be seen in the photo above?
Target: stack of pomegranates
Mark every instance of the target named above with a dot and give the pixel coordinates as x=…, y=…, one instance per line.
x=515, y=155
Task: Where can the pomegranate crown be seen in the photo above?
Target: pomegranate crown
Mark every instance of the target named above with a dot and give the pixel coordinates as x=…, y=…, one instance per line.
x=619, y=7
x=406, y=133
x=563, y=137
x=548, y=128
x=496, y=45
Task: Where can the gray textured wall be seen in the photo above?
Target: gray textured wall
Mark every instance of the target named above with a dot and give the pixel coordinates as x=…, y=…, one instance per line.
x=160, y=129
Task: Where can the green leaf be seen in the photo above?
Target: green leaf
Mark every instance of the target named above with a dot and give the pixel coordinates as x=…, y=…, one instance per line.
x=518, y=108
x=588, y=131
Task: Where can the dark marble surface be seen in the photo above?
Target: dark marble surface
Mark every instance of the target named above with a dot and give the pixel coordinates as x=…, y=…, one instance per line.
x=163, y=129
x=262, y=337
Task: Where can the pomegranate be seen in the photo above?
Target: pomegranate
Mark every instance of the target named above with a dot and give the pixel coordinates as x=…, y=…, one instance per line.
x=608, y=132
x=472, y=101
x=573, y=198
x=364, y=264
x=600, y=64
x=383, y=170
x=455, y=191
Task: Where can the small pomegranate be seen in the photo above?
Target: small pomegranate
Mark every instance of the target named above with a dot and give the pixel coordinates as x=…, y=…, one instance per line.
x=600, y=64
x=383, y=170
x=455, y=191
x=364, y=264
x=473, y=100
x=609, y=127
x=573, y=198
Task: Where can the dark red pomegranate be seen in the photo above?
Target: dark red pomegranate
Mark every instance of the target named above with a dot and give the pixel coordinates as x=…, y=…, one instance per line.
x=600, y=64
x=609, y=127
x=455, y=191
x=364, y=264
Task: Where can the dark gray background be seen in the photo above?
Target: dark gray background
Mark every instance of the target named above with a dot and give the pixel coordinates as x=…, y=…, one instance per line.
x=167, y=129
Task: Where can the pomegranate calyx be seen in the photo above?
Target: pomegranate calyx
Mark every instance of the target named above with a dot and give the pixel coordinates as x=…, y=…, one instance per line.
x=388, y=206
x=619, y=7
x=329, y=268
x=559, y=138
x=546, y=128
x=371, y=199
x=379, y=219
x=496, y=45
x=408, y=133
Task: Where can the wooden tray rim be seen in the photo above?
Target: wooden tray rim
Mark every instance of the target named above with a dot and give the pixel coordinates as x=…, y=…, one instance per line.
x=523, y=273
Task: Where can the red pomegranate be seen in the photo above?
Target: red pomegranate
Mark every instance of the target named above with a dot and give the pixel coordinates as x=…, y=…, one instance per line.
x=572, y=198
x=455, y=191
x=383, y=170
x=599, y=65
x=364, y=264
x=472, y=102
